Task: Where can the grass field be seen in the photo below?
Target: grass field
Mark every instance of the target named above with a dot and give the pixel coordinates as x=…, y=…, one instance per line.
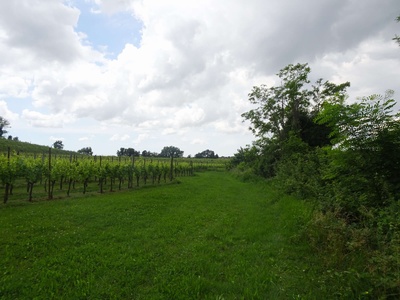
x=209, y=236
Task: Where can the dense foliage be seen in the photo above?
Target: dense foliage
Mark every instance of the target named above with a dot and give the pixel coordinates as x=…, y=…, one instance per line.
x=127, y=152
x=206, y=154
x=58, y=145
x=146, y=153
x=86, y=151
x=345, y=158
x=171, y=151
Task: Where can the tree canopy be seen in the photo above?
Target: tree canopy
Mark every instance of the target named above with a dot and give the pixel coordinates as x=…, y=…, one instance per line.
x=127, y=152
x=287, y=112
x=4, y=123
x=86, y=151
x=206, y=154
x=171, y=151
x=291, y=106
x=146, y=153
x=58, y=145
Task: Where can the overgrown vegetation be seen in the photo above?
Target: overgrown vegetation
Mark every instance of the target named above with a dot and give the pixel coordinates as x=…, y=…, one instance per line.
x=343, y=157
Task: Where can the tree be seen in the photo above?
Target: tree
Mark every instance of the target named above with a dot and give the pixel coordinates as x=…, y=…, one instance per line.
x=171, y=151
x=58, y=145
x=285, y=115
x=358, y=125
x=244, y=156
x=397, y=38
x=276, y=104
x=4, y=123
x=291, y=107
x=146, y=153
x=206, y=154
x=86, y=151
x=128, y=152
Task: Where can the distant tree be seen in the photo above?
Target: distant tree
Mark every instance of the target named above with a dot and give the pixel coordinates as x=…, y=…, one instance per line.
x=169, y=151
x=58, y=145
x=146, y=153
x=10, y=137
x=206, y=154
x=127, y=152
x=4, y=123
x=15, y=138
x=86, y=150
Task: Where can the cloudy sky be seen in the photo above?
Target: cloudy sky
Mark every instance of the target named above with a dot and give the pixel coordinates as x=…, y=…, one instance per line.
x=146, y=74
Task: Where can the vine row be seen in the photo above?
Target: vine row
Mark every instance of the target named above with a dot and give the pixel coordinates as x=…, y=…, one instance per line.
x=65, y=173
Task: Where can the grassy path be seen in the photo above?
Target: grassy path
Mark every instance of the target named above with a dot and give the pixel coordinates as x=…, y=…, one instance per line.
x=209, y=237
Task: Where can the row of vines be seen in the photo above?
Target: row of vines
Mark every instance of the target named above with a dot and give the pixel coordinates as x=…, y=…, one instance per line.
x=72, y=173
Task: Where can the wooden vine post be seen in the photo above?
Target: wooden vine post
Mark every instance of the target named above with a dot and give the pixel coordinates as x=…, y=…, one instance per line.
x=171, y=168
x=49, y=178
x=7, y=188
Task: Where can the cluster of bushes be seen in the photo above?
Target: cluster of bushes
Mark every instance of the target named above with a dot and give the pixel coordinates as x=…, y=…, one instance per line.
x=345, y=158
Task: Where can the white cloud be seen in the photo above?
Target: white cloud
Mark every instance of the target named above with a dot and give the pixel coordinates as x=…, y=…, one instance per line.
x=43, y=30
x=193, y=68
x=120, y=137
x=110, y=6
x=86, y=138
x=371, y=68
x=14, y=86
x=6, y=113
x=198, y=142
x=38, y=119
x=140, y=138
x=169, y=131
x=228, y=127
x=53, y=139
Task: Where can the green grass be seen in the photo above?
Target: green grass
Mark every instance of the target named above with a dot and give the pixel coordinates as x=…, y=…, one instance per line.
x=208, y=237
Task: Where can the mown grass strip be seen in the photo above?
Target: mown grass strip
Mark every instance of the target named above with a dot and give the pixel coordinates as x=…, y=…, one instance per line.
x=209, y=237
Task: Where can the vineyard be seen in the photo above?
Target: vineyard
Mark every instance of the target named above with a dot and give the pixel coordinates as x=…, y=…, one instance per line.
x=49, y=175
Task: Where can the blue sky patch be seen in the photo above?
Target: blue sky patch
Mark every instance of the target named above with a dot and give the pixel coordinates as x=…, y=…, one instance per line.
x=110, y=31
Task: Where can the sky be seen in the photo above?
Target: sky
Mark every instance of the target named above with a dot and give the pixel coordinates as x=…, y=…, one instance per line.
x=145, y=74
